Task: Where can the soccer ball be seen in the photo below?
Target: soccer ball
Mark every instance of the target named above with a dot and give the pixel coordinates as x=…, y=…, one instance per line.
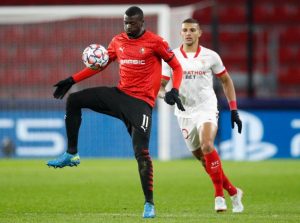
x=95, y=56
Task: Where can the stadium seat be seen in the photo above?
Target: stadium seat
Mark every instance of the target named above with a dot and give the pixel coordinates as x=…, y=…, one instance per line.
x=12, y=33
x=204, y=16
x=283, y=12
x=289, y=54
x=232, y=14
x=288, y=12
x=265, y=14
x=206, y=37
x=290, y=34
x=16, y=76
x=289, y=76
x=233, y=37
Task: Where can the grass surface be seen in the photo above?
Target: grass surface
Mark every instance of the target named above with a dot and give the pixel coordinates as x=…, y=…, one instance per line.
x=109, y=191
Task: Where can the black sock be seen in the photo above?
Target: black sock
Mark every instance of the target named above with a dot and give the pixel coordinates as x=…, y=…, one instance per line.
x=72, y=126
x=146, y=174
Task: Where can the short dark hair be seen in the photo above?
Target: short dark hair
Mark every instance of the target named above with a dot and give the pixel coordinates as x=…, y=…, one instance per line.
x=191, y=20
x=134, y=10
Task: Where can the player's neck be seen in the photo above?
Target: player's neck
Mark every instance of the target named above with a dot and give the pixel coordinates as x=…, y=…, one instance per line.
x=138, y=35
x=190, y=49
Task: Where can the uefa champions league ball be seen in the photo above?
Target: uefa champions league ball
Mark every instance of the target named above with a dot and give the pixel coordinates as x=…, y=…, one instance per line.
x=95, y=56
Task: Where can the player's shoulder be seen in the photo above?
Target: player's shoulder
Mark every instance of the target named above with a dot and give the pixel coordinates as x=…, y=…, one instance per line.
x=207, y=51
x=150, y=34
x=154, y=37
x=177, y=51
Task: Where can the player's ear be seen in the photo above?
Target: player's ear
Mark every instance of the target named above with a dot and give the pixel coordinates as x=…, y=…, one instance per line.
x=200, y=33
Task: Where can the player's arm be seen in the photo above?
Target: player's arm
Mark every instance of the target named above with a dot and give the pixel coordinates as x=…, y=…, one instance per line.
x=87, y=72
x=163, y=83
x=229, y=92
x=164, y=51
x=177, y=71
x=228, y=88
x=166, y=76
x=63, y=86
x=172, y=96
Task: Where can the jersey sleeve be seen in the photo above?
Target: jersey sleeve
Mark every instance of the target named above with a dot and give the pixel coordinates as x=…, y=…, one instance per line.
x=218, y=68
x=163, y=50
x=87, y=72
x=84, y=74
x=112, y=50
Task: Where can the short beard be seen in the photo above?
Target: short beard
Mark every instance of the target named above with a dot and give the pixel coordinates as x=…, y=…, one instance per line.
x=136, y=35
x=131, y=35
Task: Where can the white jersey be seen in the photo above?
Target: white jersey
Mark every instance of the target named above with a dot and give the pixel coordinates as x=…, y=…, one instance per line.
x=196, y=89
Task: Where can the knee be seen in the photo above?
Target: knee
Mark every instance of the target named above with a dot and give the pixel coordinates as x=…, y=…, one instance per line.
x=200, y=156
x=140, y=142
x=73, y=106
x=207, y=146
x=71, y=100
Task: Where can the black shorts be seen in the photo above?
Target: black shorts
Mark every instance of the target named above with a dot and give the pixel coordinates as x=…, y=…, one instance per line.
x=135, y=113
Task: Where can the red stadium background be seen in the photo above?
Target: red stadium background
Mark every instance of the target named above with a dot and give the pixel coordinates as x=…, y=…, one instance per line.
x=276, y=46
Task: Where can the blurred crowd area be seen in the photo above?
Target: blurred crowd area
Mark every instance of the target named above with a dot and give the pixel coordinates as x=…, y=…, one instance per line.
x=34, y=56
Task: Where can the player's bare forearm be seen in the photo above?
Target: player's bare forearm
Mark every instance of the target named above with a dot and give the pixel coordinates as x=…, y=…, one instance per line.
x=228, y=87
x=164, y=82
x=162, y=89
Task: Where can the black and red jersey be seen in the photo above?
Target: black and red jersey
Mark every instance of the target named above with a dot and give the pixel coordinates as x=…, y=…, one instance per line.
x=140, y=64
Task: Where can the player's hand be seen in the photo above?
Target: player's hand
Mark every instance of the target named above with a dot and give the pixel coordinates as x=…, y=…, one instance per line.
x=235, y=118
x=172, y=97
x=62, y=87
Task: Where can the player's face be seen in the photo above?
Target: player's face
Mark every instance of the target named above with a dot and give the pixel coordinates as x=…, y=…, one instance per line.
x=190, y=33
x=133, y=26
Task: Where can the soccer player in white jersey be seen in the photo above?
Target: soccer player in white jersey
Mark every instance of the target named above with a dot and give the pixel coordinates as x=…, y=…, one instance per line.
x=199, y=121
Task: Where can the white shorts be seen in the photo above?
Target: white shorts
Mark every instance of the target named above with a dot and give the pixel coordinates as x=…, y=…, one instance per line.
x=190, y=127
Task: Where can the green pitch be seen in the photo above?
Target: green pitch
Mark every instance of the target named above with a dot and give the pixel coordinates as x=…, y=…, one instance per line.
x=109, y=191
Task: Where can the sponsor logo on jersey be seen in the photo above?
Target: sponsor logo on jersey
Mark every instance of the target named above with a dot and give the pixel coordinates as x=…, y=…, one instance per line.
x=121, y=49
x=129, y=61
x=193, y=74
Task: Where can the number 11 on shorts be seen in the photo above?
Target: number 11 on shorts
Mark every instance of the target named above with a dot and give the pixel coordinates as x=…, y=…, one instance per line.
x=145, y=123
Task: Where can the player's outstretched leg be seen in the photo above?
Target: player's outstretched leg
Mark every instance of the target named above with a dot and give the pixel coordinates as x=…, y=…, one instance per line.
x=65, y=159
x=237, y=205
x=149, y=211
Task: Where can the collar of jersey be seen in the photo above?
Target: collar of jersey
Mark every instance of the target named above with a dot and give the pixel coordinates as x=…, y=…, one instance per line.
x=184, y=53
